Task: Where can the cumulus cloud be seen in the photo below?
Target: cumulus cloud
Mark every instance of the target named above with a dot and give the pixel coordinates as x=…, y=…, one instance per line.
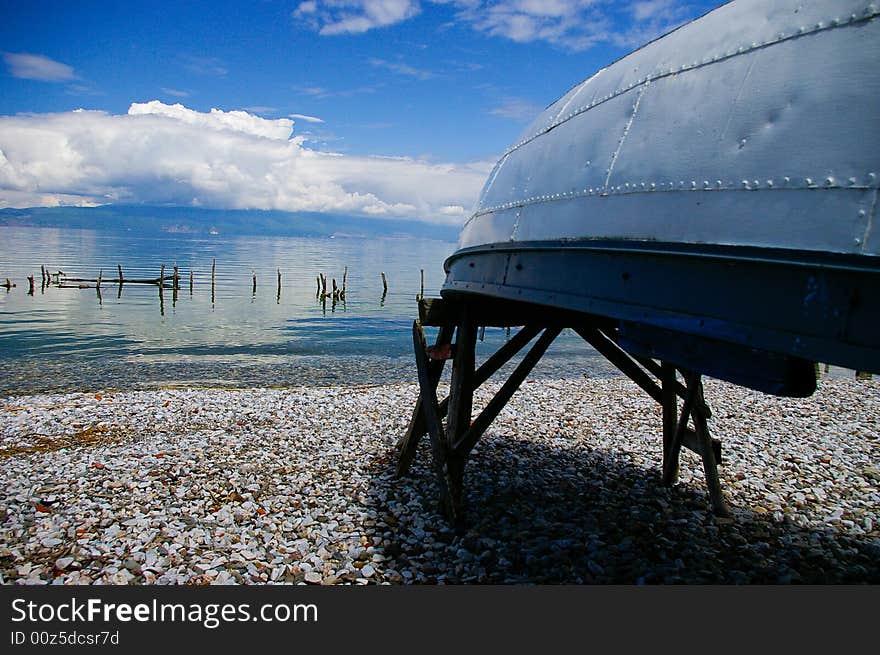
x=170, y=154
x=570, y=24
x=37, y=67
x=216, y=119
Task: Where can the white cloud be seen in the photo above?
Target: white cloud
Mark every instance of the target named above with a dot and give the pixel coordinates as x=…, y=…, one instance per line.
x=37, y=67
x=401, y=68
x=260, y=109
x=174, y=155
x=652, y=18
x=238, y=121
x=210, y=66
x=354, y=16
x=571, y=24
x=322, y=93
x=306, y=118
x=177, y=93
x=517, y=109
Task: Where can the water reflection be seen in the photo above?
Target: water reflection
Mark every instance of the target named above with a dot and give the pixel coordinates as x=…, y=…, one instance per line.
x=231, y=316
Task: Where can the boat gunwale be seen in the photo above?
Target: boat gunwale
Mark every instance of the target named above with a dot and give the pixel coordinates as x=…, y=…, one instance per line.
x=851, y=262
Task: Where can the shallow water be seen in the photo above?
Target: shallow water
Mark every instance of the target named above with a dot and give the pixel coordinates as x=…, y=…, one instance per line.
x=70, y=338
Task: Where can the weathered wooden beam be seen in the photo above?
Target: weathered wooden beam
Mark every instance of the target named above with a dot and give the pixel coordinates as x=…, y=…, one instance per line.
x=417, y=426
x=621, y=359
x=669, y=402
x=469, y=439
x=671, y=468
x=460, y=408
x=707, y=454
x=655, y=369
x=461, y=387
x=432, y=416
x=415, y=431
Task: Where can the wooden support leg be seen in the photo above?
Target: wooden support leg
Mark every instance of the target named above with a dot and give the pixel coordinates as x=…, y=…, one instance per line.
x=432, y=416
x=671, y=461
x=697, y=440
x=670, y=418
x=621, y=359
x=458, y=420
x=469, y=439
x=707, y=449
x=409, y=441
x=417, y=427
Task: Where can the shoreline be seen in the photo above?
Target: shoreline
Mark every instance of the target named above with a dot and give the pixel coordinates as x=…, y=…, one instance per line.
x=296, y=485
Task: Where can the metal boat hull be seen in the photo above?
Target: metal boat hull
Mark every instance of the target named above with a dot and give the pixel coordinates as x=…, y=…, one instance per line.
x=715, y=192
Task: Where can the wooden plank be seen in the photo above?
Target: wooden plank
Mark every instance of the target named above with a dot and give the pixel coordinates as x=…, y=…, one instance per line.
x=458, y=419
x=707, y=452
x=470, y=438
x=431, y=414
x=434, y=312
x=669, y=402
x=409, y=442
x=416, y=429
x=621, y=359
x=461, y=388
x=670, y=470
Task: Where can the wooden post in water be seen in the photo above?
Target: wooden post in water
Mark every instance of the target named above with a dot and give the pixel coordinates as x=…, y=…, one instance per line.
x=30, y=279
x=323, y=286
x=344, y=276
x=335, y=290
x=278, y=297
x=162, y=290
x=100, y=278
x=176, y=284
x=422, y=287
x=255, y=282
x=384, y=285
x=318, y=292
x=121, y=279
x=190, y=282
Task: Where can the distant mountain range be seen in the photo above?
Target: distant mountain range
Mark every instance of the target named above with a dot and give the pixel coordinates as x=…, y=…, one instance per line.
x=229, y=222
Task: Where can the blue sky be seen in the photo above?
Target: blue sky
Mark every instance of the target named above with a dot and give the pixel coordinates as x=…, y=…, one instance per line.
x=398, y=107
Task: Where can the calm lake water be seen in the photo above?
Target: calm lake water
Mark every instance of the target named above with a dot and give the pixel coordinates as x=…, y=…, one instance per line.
x=68, y=338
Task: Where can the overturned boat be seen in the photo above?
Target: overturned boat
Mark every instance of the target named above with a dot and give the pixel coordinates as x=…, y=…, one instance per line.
x=703, y=206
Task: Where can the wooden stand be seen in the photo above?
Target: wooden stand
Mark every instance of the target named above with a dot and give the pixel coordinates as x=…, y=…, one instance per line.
x=451, y=445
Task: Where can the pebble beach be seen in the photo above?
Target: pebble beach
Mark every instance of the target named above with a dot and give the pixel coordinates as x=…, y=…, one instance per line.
x=297, y=486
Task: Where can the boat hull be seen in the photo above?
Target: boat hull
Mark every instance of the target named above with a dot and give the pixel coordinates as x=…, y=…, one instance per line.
x=714, y=192
x=817, y=307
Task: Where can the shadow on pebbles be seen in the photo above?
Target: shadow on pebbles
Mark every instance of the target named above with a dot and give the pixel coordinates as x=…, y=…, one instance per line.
x=257, y=486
